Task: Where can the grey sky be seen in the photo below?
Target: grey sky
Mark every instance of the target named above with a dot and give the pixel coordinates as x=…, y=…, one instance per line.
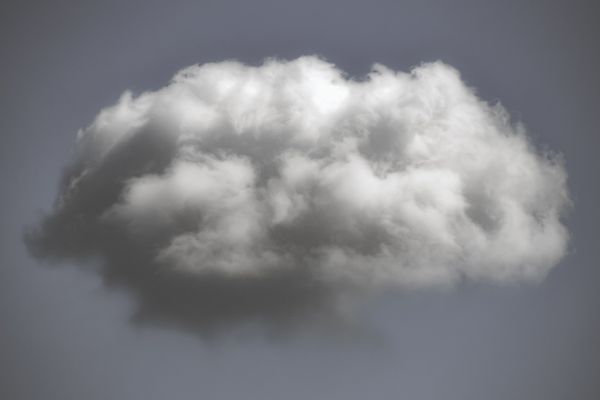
x=64, y=336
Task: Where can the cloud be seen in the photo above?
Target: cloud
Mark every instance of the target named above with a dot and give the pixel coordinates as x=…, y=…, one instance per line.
x=262, y=191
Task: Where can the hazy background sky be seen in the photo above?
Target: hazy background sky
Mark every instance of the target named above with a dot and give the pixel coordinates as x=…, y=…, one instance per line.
x=64, y=336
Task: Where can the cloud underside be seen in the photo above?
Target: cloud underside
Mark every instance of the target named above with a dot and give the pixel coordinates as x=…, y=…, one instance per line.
x=243, y=190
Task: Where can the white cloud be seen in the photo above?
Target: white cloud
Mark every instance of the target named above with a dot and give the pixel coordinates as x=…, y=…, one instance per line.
x=401, y=179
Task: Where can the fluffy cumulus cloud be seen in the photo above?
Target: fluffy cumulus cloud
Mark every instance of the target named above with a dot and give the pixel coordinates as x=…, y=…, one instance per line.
x=238, y=172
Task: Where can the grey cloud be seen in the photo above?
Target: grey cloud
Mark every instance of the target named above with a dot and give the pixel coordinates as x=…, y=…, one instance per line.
x=242, y=192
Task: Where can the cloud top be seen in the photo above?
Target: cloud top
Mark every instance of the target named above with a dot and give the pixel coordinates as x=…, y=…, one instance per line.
x=237, y=172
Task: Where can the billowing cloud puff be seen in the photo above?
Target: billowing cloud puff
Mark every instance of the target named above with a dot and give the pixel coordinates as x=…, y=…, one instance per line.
x=244, y=173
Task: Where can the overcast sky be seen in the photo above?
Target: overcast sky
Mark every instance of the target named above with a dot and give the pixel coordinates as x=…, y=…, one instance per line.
x=65, y=334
